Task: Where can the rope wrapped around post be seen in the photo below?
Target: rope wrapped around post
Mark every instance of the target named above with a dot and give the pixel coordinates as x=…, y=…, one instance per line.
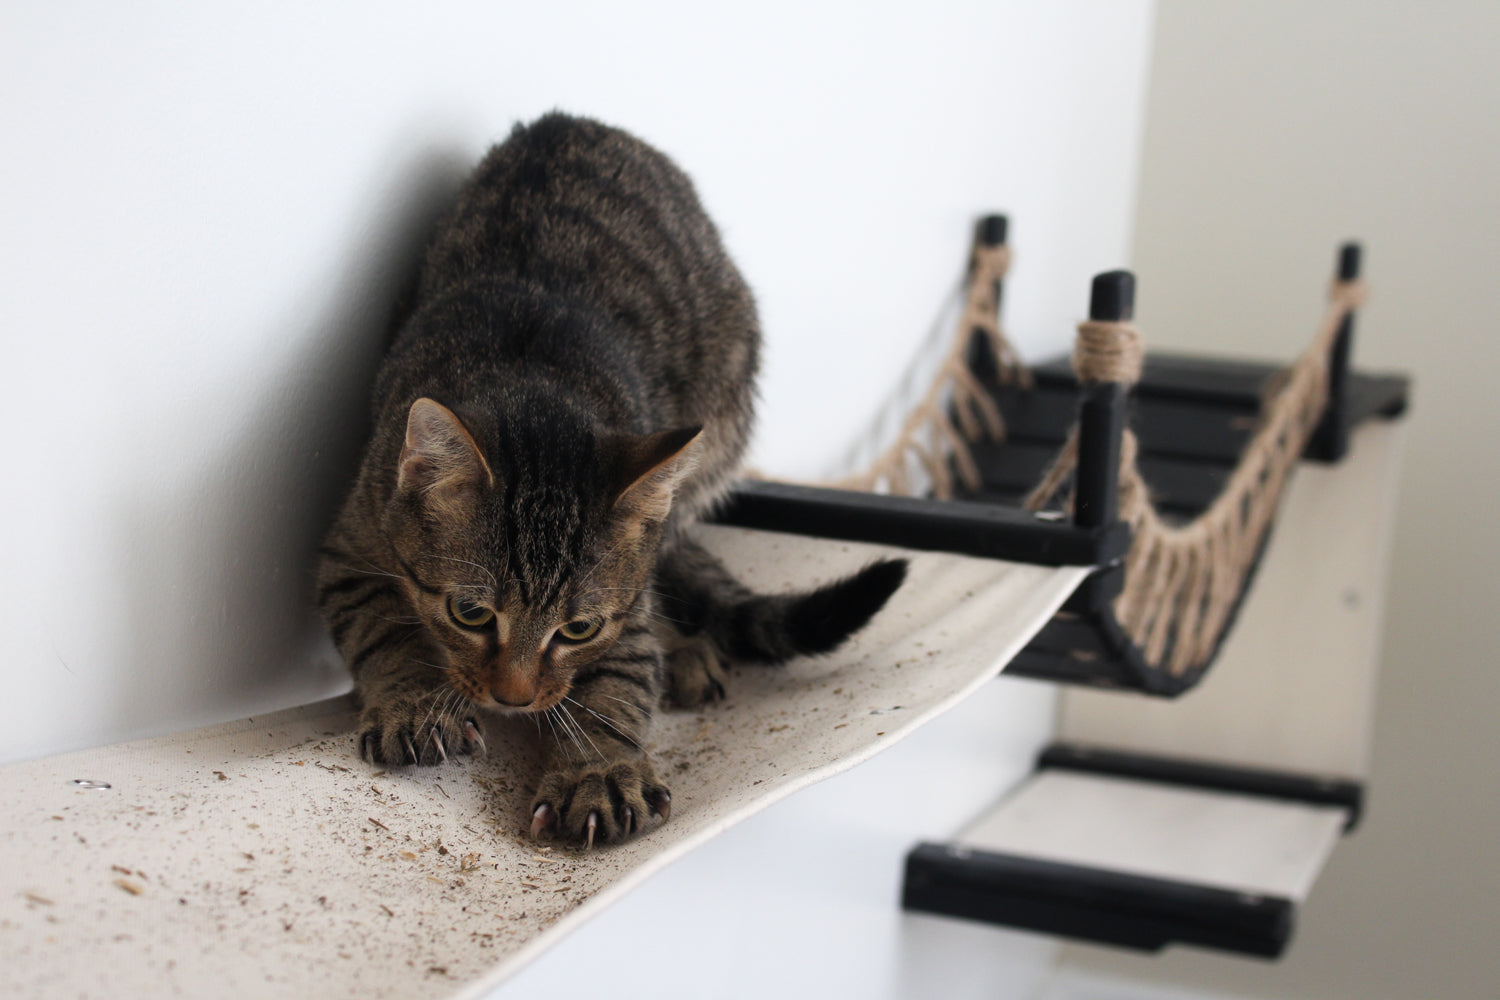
x=1183, y=581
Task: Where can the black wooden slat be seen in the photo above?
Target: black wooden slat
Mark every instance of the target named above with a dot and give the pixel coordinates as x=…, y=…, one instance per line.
x=1260, y=782
x=1037, y=415
x=1169, y=428
x=1074, y=635
x=1061, y=668
x=1234, y=383
x=1165, y=427
x=1012, y=468
x=1222, y=381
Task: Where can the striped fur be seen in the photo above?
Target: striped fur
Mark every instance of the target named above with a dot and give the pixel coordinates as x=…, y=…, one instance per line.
x=570, y=387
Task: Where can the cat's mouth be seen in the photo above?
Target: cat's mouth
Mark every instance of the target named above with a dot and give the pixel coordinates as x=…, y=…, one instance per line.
x=541, y=703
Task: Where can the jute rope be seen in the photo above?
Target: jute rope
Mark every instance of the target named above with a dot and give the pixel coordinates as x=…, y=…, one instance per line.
x=956, y=411
x=1182, y=581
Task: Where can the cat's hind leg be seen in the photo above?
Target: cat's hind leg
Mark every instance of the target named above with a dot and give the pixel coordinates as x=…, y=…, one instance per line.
x=695, y=670
x=692, y=589
x=708, y=618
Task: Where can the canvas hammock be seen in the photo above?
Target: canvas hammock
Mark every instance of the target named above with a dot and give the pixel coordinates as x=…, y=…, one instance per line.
x=267, y=846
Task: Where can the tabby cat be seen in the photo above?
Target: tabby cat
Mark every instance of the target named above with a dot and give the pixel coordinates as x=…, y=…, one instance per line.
x=570, y=386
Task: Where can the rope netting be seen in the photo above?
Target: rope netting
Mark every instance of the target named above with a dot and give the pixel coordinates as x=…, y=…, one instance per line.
x=1183, y=580
x=956, y=410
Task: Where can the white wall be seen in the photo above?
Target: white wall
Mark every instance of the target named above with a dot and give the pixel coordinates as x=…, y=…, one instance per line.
x=1274, y=130
x=205, y=209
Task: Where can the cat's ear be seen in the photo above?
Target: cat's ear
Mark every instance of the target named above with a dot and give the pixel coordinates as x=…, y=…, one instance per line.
x=439, y=453
x=652, y=465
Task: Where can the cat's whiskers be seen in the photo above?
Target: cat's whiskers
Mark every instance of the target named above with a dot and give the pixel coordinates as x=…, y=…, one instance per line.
x=469, y=562
x=450, y=584
x=611, y=723
x=373, y=572
x=652, y=614
x=627, y=704
x=603, y=561
x=562, y=721
x=442, y=693
x=551, y=725
x=579, y=727
x=633, y=590
x=454, y=697
x=657, y=616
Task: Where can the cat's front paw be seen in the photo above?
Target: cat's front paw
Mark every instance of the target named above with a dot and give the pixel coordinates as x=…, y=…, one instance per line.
x=602, y=801
x=418, y=728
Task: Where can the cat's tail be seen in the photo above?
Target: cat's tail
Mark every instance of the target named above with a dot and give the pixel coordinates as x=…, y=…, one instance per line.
x=697, y=594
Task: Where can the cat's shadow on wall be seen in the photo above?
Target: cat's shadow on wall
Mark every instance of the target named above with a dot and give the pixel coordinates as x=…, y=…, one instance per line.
x=222, y=613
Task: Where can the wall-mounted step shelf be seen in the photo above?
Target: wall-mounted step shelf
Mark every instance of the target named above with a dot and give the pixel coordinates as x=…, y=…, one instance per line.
x=1207, y=820
x=1140, y=852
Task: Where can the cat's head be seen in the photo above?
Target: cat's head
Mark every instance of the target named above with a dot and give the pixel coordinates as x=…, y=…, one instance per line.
x=524, y=563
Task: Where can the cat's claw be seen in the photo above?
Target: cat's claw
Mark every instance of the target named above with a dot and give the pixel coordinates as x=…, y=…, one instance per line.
x=589, y=827
x=544, y=818
x=404, y=732
x=476, y=740
x=601, y=805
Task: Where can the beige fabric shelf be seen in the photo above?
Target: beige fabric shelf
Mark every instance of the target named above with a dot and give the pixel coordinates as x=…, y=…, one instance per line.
x=262, y=858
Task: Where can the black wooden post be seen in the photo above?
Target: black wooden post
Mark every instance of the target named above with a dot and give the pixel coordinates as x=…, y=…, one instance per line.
x=1330, y=441
x=1101, y=414
x=989, y=231
x=992, y=230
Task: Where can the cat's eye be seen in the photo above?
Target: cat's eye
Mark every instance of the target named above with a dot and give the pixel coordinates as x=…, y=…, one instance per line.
x=468, y=613
x=578, y=631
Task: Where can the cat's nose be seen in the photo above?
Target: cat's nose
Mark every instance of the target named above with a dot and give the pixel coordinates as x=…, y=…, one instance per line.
x=514, y=690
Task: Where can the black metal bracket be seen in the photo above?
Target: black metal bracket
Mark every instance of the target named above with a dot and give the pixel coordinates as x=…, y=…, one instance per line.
x=1091, y=904
x=1112, y=907
x=967, y=528
x=1260, y=782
